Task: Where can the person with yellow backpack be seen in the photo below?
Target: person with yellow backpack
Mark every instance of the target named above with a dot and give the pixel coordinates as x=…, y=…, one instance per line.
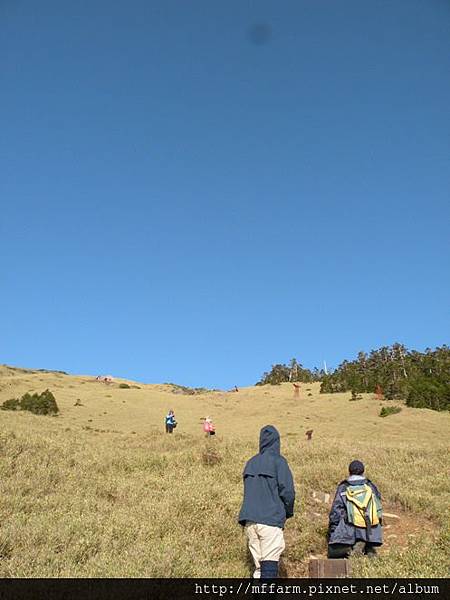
x=356, y=516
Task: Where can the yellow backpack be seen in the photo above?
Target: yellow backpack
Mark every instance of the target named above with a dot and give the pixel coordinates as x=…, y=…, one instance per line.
x=363, y=506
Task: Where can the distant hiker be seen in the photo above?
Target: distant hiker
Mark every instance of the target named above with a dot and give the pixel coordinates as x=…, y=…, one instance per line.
x=309, y=434
x=355, y=521
x=236, y=389
x=208, y=427
x=269, y=496
x=170, y=421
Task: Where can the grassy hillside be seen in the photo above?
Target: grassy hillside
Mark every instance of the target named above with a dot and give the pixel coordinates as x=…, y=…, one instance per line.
x=101, y=490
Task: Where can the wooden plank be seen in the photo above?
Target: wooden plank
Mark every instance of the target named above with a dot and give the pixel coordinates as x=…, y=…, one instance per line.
x=328, y=568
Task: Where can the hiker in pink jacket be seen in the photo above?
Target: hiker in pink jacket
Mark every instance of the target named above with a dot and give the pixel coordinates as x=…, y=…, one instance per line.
x=208, y=427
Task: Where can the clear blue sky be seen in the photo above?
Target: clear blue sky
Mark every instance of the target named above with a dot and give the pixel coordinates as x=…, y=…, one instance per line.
x=192, y=191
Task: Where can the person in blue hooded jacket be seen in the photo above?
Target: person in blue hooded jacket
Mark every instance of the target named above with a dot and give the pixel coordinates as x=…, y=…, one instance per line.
x=170, y=421
x=269, y=496
x=344, y=537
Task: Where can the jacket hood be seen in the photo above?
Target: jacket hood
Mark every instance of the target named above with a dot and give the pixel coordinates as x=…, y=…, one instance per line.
x=356, y=479
x=269, y=439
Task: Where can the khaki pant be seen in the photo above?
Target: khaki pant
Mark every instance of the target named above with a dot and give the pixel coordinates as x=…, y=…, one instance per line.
x=265, y=543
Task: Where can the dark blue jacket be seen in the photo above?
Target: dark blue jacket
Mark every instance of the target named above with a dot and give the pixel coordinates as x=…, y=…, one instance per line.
x=268, y=485
x=340, y=531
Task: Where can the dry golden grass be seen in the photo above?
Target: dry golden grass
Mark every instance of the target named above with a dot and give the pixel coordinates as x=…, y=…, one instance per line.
x=100, y=490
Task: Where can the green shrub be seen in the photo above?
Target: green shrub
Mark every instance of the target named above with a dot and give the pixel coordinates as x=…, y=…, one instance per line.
x=12, y=404
x=389, y=410
x=39, y=404
x=124, y=386
x=184, y=389
x=355, y=396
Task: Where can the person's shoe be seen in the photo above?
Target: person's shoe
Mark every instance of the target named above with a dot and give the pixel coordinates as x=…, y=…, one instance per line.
x=358, y=548
x=269, y=569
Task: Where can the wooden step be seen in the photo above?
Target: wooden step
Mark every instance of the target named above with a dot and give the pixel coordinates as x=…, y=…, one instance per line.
x=329, y=568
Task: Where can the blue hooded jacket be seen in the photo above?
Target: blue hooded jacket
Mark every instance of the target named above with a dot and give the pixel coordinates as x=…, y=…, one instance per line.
x=340, y=531
x=269, y=492
x=170, y=419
